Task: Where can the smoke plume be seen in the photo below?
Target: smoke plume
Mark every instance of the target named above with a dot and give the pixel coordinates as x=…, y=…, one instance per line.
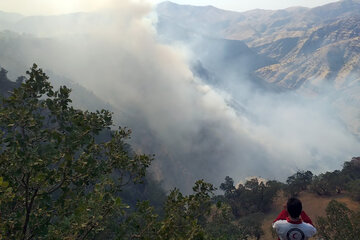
x=191, y=126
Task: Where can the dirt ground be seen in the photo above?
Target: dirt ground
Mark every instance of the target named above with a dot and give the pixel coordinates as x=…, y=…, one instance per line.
x=313, y=205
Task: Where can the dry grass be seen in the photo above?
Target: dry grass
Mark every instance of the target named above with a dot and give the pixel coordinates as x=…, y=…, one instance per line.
x=313, y=205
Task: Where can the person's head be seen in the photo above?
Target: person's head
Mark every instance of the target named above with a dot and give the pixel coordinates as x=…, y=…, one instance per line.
x=294, y=207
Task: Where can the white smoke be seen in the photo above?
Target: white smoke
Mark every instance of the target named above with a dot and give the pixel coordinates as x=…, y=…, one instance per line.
x=188, y=124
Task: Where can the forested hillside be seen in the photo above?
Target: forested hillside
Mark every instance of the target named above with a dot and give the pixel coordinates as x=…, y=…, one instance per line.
x=73, y=169
x=178, y=122
x=201, y=84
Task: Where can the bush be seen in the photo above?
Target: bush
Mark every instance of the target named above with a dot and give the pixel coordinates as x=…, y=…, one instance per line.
x=340, y=223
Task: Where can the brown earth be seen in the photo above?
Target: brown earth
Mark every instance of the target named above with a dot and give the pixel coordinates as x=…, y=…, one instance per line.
x=313, y=205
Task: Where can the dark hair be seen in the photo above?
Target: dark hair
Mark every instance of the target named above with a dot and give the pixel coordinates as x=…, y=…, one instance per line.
x=294, y=207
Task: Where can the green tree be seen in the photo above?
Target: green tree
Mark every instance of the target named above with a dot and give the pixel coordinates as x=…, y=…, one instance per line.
x=328, y=183
x=299, y=182
x=185, y=217
x=60, y=182
x=351, y=169
x=251, y=226
x=340, y=223
x=223, y=226
x=228, y=187
x=353, y=188
x=252, y=197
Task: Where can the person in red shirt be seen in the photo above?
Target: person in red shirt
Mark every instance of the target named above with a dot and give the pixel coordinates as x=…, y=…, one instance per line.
x=293, y=223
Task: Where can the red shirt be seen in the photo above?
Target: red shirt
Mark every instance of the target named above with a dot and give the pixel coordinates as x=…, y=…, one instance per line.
x=288, y=229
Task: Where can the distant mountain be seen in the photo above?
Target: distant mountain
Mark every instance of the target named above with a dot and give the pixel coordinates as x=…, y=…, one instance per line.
x=17, y=53
x=310, y=50
x=212, y=56
x=209, y=21
x=328, y=53
x=291, y=37
x=7, y=19
x=258, y=26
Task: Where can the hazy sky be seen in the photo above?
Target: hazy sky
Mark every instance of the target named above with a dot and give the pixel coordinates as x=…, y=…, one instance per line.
x=243, y=5
x=33, y=7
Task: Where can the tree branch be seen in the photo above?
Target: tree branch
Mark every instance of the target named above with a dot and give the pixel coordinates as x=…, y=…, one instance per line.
x=28, y=206
x=138, y=236
x=93, y=224
x=51, y=190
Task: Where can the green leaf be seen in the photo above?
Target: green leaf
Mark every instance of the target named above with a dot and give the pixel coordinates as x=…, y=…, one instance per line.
x=4, y=184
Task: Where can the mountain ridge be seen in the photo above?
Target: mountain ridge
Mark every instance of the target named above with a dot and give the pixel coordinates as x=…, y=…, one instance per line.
x=312, y=50
x=249, y=25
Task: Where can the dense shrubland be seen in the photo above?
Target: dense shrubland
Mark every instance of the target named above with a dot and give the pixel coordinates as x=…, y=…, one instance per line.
x=68, y=174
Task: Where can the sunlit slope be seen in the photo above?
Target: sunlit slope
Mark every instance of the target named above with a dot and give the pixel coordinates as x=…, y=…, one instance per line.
x=330, y=53
x=256, y=27
x=307, y=45
x=314, y=51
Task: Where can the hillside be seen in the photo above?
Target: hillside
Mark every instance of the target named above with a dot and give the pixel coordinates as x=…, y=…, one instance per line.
x=240, y=213
x=256, y=27
x=306, y=43
x=330, y=53
x=195, y=95
x=7, y=19
x=313, y=51
x=129, y=125
x=313, y=204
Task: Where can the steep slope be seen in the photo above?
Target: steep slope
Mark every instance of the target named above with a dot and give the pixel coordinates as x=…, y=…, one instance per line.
x=307, y=44
x=327, y=61
x=17, y=55
x=330, y=53
x=212, y=58
x=313, y=51
x=256, y=27
x=208, y=20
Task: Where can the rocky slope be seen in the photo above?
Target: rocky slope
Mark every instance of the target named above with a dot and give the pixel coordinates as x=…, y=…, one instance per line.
x=318, y=44
x=315, y=51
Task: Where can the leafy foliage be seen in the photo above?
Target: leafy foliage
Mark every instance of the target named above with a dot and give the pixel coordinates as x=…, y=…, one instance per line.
x=184, y=217
x=251, y=226
x=335, y=182
x=64, y=174
x=248, y=203
x=328, y=183
x=299, y=182
x=351, y=169
x=59, y=182
x=252, y=197
x=221, y=225
x=340, y=223
x=354, y=189
x=228, y=187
